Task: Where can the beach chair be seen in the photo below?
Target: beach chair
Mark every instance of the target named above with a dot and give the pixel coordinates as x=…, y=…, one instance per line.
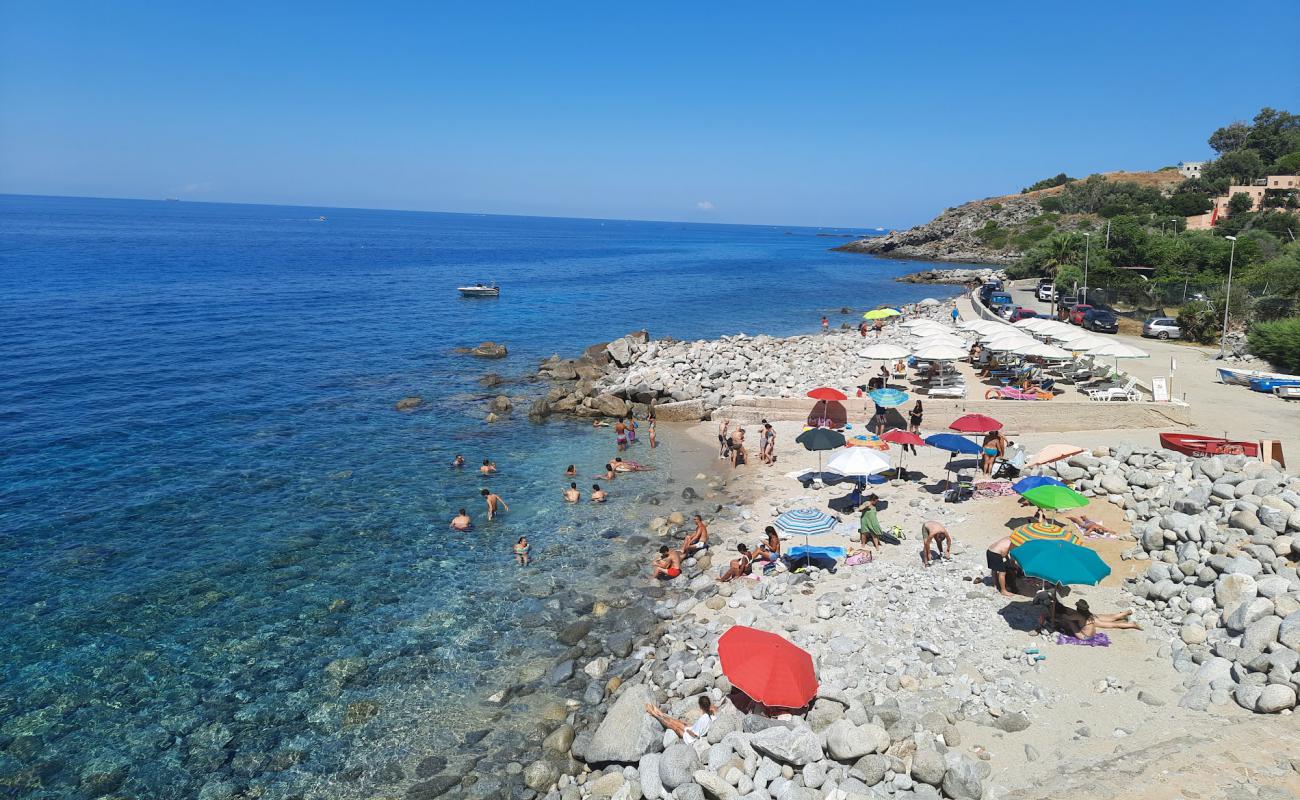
x=1126, y=392
x=962, y=489
x=955, y=391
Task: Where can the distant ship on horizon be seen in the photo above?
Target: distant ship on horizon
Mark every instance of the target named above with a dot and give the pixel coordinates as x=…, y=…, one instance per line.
x=171, y=199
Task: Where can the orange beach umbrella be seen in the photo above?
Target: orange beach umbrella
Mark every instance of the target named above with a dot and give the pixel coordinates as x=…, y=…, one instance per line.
x=768, y=668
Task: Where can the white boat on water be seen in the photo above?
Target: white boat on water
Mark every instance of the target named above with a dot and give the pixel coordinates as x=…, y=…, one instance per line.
x=480, y=290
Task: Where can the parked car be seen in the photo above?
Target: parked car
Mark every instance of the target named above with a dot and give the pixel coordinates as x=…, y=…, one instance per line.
x=1100, y=320
x=987, y=289
x=1077, y=312
x=999, y=299
x=1046, y=292
x=1022, y=313
x=1162, y=328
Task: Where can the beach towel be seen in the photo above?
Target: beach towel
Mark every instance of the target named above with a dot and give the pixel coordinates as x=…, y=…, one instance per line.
x=993, y=489
x=1098, y=639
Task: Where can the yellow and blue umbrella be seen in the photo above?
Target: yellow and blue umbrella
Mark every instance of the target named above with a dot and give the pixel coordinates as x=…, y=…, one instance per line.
x=1043, y=531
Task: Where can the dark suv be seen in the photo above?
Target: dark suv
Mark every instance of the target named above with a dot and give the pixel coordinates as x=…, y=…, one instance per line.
x=1101, y=320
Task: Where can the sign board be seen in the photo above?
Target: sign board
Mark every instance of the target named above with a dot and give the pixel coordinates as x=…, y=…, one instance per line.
x=1160, y=389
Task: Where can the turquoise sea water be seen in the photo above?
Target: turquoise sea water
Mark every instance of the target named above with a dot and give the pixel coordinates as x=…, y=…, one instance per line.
x=224, y=556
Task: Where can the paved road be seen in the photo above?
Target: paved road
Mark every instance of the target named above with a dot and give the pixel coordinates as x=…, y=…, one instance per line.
x=1218, y=410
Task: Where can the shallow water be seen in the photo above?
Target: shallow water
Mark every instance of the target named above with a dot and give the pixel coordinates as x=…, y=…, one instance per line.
x=225, y=556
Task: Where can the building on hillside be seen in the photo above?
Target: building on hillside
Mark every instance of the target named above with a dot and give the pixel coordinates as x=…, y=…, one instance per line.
x=1274, y=191
x=1190, y=169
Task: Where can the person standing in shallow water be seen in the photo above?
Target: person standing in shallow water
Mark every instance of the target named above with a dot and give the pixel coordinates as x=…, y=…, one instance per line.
x=620, y=435
x=826, y=325
x=521, y=551
x=651, y=426
x=493, y=500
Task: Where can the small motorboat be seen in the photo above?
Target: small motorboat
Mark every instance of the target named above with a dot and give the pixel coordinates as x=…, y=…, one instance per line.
x=1243, y=377
x=480, y=290
x=1289, y=391
x=1193, y=444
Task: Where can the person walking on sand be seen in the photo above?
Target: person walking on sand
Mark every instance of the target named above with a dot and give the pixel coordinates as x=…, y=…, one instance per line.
x=493, y=500
x=697, y=539
x=997, y=559
x=668, y=565
x=914, y=419
x=724, y=443
x=826, y=325
x=869, y=524
x=738, y=454
x=461, y=522
x=956, y=315
x=571, y=494
x=620, y=435
x=598, y=495
x=935, y=533
x=767, y=444
x=521, y=551
x=650, y=427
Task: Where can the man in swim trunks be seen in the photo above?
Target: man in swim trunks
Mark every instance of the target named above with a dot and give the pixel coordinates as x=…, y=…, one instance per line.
x=934, y=532
x=493, y=500
x=620, y=435
x=688, y=733
x=668, y=565
x=999, y=563
x=571, y=494
x=698, y=538
x=461, y=522
x=598, y=495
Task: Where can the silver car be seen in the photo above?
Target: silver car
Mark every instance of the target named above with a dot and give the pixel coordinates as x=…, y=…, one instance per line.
x=1162, y=328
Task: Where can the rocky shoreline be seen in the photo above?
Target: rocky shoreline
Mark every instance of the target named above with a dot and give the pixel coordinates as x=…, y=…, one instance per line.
x=963, y=277
x=687, y=381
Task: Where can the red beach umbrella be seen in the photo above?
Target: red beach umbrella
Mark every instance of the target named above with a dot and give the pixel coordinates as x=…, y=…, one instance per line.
x=767, y=667
x=827, y=393
x=975, y=423
x=897, y=436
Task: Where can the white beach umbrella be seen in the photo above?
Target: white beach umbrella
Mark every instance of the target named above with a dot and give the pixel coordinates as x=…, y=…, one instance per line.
x=939, y=352
x=884, y=351
x=940, y=340
x=1005, y=344
x=982, y=325
x=1041, y=350
x=857, y=462
x=1113, y=349
x=1051, y=326
x=929, y=301
x=1034, y=324
x=927, y=326
x=912, y=323
x=1005, y=333
x=1080, y=342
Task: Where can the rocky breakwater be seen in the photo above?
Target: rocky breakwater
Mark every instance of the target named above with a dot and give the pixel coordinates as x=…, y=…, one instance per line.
x=1222, y=536
x=963, y=277
x=955, y=235
x=688, y=380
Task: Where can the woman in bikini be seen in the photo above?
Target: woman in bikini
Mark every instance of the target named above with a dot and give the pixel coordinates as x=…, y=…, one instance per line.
x=651, y=427
x=989, y=453
x=914, y=418
x=1091, y=621
x=739, y=566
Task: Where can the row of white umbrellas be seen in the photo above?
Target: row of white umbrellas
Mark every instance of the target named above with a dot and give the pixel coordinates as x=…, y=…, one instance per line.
x=1058, y=341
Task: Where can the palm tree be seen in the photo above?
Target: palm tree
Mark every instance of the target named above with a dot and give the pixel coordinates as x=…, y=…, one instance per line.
x=1061, y=248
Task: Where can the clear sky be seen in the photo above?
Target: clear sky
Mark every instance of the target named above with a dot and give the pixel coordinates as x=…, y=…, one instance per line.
x=853, y=114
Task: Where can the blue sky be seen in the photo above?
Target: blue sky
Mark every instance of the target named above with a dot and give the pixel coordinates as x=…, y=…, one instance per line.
x=851, y=114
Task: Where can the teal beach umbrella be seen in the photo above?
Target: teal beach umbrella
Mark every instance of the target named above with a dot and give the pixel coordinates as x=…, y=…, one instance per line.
x=1060, y=562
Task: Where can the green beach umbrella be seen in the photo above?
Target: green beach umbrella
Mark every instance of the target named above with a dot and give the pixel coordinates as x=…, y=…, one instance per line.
x=1060, y=562
x=1055, y=497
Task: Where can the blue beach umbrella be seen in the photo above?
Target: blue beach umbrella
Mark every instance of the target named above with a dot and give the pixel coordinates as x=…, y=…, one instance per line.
x=953, y=443
x=888, y=398
x=1033, y=482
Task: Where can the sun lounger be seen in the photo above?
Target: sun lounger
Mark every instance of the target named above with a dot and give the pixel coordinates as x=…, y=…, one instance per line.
x=1126, y=392
x=956, y=390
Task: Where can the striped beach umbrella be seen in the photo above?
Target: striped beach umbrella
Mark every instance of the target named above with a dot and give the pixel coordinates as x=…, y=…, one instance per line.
x=804, y=522
x=1046, y=531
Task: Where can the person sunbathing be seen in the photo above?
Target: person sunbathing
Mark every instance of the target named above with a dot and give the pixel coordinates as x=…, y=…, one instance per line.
x=739, y=566
x=697, y=539
x=1091, y=622
x=688, y=733
x=620, y=465
x=668, y=565
x=1088, y=525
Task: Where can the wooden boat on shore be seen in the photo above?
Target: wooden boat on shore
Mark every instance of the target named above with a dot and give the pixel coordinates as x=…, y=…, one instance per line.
x=480, y=290
x=1193, y=444
x=1243, y=377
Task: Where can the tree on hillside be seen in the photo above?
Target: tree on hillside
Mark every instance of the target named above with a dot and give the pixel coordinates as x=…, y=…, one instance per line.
x=1274, y=134
x=1230, y=138
x=1288, y=164
x=1238, y=167
x=1240, y=203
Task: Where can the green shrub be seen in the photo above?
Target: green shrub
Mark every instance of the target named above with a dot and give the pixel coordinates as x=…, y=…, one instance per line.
x=1198, y=321
x=1052, y=204
x=1278, y=343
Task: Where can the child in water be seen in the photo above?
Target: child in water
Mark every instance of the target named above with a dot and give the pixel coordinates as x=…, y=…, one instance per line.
x=521, y=551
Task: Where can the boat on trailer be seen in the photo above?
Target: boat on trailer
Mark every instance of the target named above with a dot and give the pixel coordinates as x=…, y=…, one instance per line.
x=480, y=290
x=1196, y=445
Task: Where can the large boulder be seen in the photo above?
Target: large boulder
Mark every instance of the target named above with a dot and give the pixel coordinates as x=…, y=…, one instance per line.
x=541, y=775
x=793, y=746
x=610, y=405
x=677, y=764
x=1275, y=697
x=1234, y=588
x=681, y=411
x=620, y=351
x=1289, y=632
x=409, y=403
x=627, y=732
x=848, y=742
x=1261, y=633
x=961, y=779
x=929, y=767
x=1248, y=612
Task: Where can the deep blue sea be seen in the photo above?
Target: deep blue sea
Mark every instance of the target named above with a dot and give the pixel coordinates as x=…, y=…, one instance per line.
x=224, y=556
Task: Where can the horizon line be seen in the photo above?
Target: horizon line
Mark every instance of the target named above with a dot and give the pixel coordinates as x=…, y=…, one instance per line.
x=427, y=211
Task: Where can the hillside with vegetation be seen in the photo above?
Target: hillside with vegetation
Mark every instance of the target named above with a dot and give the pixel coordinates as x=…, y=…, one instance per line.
x=1130, y=229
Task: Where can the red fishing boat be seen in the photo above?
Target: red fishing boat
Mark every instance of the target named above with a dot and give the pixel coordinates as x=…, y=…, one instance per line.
x=1193, y=444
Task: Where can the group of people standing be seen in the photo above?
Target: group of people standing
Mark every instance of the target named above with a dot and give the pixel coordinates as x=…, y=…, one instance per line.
x=731, y=443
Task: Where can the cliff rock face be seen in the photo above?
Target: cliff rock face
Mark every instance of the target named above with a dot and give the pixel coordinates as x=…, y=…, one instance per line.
x=952, y=236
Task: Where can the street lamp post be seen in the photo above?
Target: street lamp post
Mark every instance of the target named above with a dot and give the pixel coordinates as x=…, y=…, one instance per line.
x=1227, y=301
x=1087, y=244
